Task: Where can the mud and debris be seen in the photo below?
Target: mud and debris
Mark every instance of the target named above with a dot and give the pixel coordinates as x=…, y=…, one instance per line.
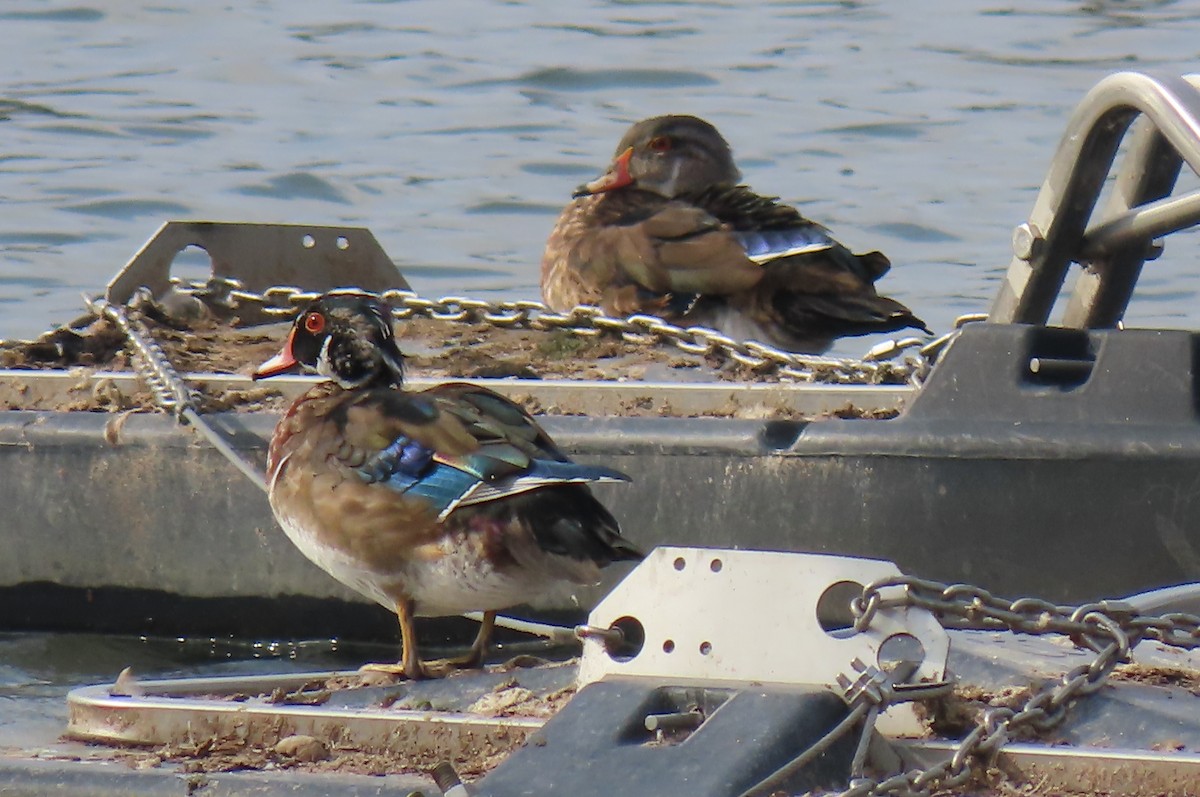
x=957, y=713
x=303, y=754
x=1158, y=675
x=509, y=699
x=302, y=748
x=433, y=349
x=304, y=696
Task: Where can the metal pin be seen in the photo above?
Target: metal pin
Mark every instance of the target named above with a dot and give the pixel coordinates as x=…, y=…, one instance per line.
x=610, y=636
x=678, y=721
x=1061, y=368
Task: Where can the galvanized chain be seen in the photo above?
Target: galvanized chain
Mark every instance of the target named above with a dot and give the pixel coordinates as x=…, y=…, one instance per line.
x=170, y=391
x=150, y=362
x=881, y=365
x=901, y=361
x=1110, y=628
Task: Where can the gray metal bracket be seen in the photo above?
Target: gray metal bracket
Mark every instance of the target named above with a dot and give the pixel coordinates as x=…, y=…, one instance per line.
x=601, y=743
x=259, y=256
x=1164, y=115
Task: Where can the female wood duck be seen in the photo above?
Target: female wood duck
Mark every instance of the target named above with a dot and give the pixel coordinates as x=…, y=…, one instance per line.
x=669, y=231
x=439, y=502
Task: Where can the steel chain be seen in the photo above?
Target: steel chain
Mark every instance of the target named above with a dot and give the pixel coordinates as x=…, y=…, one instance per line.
x=1110, y=628
x=150, y=362
x=880, y=365
x=903, y=361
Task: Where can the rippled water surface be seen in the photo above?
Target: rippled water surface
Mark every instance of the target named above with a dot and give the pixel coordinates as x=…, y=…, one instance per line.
x=455, y=130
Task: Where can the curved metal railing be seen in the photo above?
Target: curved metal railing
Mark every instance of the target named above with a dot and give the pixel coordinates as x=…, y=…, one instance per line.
x=1164, y=115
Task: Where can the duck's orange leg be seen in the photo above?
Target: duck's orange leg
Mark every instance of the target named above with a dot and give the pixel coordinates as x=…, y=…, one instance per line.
x=409, y=665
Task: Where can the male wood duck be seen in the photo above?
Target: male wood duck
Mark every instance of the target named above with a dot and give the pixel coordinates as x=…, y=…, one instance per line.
x=448, y=500
x=669, y=231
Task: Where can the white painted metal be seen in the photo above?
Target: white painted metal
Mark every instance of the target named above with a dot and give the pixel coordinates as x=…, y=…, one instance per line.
x=728, y=617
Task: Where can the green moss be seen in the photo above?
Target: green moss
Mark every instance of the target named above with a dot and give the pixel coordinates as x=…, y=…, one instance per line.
x=560, y=344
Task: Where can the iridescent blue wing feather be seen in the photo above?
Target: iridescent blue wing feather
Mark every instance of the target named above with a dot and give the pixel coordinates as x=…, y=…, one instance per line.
x=493, y=472
x=540, y=474
x=764, y=245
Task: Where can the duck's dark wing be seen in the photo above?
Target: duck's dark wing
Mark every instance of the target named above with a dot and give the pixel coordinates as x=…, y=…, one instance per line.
x=813, y=286
x=816, y=295
x=771, y=230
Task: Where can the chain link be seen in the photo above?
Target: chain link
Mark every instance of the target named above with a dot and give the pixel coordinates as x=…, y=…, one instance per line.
x=170, y=391
x=151, y=362
x=1110, y=628
x=883, y=364
x=880, y=366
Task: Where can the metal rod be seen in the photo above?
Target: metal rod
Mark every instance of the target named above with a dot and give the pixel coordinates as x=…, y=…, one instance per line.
x=610, y=636
x=221, y=444
x=680, y=720
x=555, y=633
x=777, y=778
x=1061, y=368
x=448, y=781
x=170, y=391
x=1143, y=223
x=859, y=762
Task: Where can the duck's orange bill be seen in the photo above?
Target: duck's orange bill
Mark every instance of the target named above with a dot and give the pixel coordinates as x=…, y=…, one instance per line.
x=617, y=176
x=281, y=363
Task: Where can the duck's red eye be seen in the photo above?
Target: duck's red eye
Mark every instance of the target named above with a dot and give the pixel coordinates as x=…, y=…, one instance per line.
x=314, y=323
x=660, y=143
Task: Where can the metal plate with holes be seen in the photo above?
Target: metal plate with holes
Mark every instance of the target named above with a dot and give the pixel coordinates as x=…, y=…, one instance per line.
x=726, y=616
x=262, y=255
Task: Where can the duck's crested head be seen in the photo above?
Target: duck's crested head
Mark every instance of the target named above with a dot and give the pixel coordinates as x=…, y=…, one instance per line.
x=671, y=156
x=346, y=336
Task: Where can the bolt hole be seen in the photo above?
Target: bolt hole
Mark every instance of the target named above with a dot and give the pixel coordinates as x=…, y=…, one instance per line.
x=669, y=646
x=705, y=648
x=192, y=264
x=716, y=565
x=898, y=649
x=833, y=608
x=633, y=637
x=308, y=242
x=342, y=243
x=680, y=563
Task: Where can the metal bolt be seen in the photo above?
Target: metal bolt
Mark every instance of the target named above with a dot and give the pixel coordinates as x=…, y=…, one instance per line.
x=448, y=781
x=676, y=721
x=1027, y=241
x=1154, y=249
x=612, y=636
